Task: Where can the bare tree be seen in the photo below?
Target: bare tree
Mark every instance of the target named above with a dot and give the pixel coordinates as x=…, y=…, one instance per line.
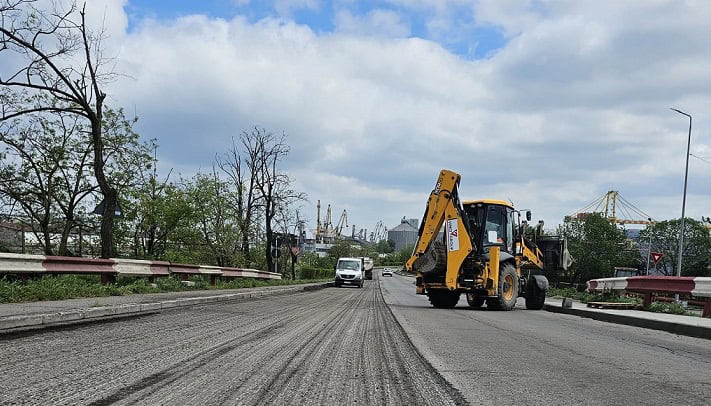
x=274, y=187
x=241, y=169
x=291, y=224
x=61, y=57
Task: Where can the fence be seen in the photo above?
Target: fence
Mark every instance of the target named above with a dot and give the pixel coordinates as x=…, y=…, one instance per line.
x=651, y=285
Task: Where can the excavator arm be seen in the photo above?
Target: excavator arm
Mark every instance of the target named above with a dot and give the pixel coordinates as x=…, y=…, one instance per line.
x=443, y=207
x=529, y=255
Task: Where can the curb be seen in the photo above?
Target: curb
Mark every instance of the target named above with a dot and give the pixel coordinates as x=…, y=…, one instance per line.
x=12, y=324
x=674, y=328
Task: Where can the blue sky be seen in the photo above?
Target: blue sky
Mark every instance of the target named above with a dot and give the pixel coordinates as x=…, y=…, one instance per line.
x=462, y=35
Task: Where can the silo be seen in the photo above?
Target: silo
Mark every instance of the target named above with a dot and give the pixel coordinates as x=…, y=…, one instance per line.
x=404, y=235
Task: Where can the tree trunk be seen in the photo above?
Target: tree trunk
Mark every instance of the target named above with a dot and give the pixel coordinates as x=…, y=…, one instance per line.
x=293, y=264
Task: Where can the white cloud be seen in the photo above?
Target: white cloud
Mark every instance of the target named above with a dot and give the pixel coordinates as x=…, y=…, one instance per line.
x=575, y=105
x=376, y=22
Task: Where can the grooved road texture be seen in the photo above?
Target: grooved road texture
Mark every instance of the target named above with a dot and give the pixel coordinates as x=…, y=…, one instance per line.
x=332, y=346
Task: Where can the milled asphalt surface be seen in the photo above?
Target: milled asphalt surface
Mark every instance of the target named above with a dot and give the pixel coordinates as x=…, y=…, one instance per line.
x=14, y=316
x=31, y=315
x=332, y=346
x=328, y=346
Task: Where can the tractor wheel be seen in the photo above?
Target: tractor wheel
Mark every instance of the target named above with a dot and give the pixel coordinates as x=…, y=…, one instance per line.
x=443, y=299
x=475, y=301
x=535, y=296
x=507, y=291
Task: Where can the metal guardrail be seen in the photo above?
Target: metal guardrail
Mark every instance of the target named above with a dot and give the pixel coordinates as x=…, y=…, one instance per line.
x=650, y=285
x=109, y=269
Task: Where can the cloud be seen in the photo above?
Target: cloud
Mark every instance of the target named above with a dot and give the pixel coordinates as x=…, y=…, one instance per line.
x=575, y=104
x=376, y=22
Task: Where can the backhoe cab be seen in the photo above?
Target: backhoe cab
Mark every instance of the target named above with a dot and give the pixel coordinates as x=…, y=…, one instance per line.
x=482, y=253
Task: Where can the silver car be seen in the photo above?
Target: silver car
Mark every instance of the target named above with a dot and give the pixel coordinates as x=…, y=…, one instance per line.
x=387, y=272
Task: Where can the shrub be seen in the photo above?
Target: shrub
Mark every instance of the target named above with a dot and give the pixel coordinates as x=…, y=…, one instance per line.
x=670, y=308
x=310, y=272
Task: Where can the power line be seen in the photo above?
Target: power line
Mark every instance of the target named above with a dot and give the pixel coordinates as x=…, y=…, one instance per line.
x=702, y=158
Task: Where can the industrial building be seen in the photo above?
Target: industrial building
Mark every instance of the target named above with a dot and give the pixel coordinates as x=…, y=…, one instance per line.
x=405, y=234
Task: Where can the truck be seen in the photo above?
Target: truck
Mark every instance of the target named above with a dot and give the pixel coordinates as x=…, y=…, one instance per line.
x=368, y=267
x=349, y=271
x=483, y=253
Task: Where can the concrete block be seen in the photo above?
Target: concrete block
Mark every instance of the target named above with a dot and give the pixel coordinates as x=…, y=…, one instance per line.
x=7, y=323
x=567, y=303
x=62, y=317
x=148, y=307
x=168, y=304
x=94, y=312
x=126, y=309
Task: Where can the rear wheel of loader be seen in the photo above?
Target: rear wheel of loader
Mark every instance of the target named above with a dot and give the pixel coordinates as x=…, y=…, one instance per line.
x=535, y=296
x=443, y=299
x=507, y=290
x=475, y=301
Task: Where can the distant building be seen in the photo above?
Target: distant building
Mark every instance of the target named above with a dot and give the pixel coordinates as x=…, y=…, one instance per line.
x=405, y=234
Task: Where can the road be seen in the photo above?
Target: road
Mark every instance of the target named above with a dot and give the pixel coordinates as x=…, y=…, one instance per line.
x=353, y=346
x=539, y=358
x=327, y=347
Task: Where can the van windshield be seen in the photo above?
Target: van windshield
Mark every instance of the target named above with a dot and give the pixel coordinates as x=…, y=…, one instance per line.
x=352, y=265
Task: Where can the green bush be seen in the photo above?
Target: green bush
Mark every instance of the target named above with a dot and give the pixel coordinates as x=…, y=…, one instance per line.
x=309, y=272
x=61, y=287
x=670, y=308
x=51, y=287
x=585, y=297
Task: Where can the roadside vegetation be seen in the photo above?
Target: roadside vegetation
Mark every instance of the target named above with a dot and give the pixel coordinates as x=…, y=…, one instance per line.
x=63, y=287
x=585, y=297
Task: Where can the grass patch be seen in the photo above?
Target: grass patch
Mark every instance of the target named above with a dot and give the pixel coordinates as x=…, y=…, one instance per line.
x=669, y=308
x=61, y=287
x=586, y=297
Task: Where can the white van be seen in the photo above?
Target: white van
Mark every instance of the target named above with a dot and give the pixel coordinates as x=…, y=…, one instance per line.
x=349, y=271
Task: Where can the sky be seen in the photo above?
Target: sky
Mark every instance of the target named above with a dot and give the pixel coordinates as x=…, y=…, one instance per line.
x=547, y=104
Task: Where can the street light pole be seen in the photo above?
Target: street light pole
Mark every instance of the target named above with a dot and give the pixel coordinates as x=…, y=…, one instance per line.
x=683, y=202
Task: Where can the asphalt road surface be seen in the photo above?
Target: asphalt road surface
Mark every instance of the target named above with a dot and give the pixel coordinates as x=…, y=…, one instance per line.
x=345, y=346
x=527, y=357
x=327, y=347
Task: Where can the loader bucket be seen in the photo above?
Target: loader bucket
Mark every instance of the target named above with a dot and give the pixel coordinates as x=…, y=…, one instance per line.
x=555, y=252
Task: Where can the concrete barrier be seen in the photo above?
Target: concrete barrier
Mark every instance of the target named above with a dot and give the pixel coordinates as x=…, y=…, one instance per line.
x=649, y=285
x=21, y=264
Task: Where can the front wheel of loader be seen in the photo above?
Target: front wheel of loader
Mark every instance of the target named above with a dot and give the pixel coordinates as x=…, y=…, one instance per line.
x=535, y=296
x=442, y=298
x=507, y=290
x=475, y=301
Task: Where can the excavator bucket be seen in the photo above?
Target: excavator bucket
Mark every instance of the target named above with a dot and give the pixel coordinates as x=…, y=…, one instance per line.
x=555, y=252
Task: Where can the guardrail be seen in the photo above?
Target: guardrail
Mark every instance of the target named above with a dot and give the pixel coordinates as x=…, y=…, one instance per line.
x=109, y=269
x=650, y=285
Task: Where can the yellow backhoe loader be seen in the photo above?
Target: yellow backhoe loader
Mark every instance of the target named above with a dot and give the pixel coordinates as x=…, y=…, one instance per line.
x=482, y=252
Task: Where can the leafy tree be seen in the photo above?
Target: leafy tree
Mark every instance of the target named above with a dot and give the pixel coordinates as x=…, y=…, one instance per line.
x=42, y=173
x=45, y=167
x=385, y=246
x=314, y=260
x=213, y=218
x=696, y=259
x=597, y=246
x=63, y=60
x=341, y=248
